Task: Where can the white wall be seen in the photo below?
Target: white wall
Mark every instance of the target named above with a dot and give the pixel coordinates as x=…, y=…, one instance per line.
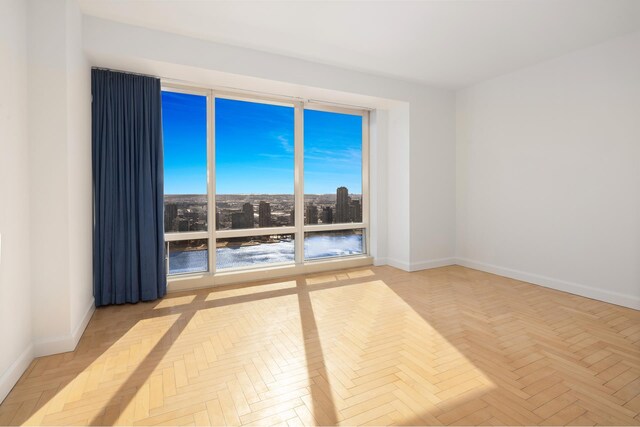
x=15, y=262
x=60, y=175
x=432, y=183
x=49, y=205
x=398, y=188
x=46, y=296
x=419, y=140
x=548, y=181
x=378, y=124
x=79, y=174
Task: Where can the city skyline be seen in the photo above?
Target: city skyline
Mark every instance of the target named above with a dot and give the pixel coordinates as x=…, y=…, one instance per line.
x=254, y=194
x=253, y=141
x=190, y=212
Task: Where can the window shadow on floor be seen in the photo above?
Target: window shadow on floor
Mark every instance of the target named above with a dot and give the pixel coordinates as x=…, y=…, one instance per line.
x=49, y=377
x=36, y=399
x=324, y=408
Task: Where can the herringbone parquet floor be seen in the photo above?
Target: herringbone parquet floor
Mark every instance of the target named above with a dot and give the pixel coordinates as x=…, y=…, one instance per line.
x=367, y=346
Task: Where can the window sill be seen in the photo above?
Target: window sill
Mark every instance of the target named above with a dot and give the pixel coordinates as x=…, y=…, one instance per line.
x=207, y=280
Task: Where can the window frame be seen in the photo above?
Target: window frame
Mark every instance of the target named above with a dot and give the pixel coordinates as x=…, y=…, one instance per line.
x=299, y=229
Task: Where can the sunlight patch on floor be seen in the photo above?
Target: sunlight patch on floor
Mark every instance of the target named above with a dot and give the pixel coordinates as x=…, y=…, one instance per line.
x=335, y=277
x=249, y=290
x=173, y=301
x=99, y=382
x=399, y=356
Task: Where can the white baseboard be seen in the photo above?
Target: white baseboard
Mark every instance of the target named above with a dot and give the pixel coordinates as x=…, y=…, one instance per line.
x=379, y=261
x=13, y=373
x=415, y=266
x=77, y=334
x=43, y=348
x=398, y=264
x=48, y=346
x=629, y=301
x=433, y=263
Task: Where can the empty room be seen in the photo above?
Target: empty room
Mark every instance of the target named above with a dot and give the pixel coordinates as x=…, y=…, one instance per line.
x=313, y=212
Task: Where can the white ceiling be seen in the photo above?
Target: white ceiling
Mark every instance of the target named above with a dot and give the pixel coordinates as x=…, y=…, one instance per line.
x=450, y=43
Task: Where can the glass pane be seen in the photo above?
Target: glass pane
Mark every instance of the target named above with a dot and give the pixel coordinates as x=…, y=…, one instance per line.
x=332, y=167
x=327, y=244
x=254, y=251
x=184, y=132
x=188, y=256
x=254, y=165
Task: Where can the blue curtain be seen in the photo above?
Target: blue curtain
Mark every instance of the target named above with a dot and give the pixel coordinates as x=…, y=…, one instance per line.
x=128, y=234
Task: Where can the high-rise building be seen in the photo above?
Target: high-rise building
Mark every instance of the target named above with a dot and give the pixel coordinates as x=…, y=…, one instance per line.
x=292, y=217
x=327, y=215
x=217, y=219
x=264, y=215
x=342, y=205
x=311, y=216
x=170, y=216
x=183, y=225
x=355, y=211
x=238, y=220
x=247, y=210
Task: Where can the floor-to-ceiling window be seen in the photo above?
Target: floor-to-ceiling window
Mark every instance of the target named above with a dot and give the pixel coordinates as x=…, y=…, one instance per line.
x=186, y=207
x=254, y=182
x=333, y=192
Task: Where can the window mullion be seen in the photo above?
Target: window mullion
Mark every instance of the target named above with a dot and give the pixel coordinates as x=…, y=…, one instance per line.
x=185, y=235
x=365, y=181
x=253, y=232
x=299, y=182
x=211, y=179
x=335, y=227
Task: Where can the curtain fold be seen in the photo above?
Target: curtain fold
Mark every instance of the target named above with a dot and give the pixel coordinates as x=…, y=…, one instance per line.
x=128, y=226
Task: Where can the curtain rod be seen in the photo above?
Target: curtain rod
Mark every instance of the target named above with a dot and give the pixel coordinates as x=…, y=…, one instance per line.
x=235, y=89
x=125, y=72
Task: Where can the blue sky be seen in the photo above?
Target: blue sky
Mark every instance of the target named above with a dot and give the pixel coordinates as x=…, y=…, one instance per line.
x=332, y=152
x=184, y=127
x=255, y=148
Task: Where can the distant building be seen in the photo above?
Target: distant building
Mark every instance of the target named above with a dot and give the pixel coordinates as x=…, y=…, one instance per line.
x=183, y=225
x=198, y=225
x=170, y=216
x=217, y=219
x=238, y=220
x=247, y=210
x=355, y=211
x=327, y=215
x=264, y=215
x=311, y=216
x=342, y=205
x=292, y=217
x=191, y=214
